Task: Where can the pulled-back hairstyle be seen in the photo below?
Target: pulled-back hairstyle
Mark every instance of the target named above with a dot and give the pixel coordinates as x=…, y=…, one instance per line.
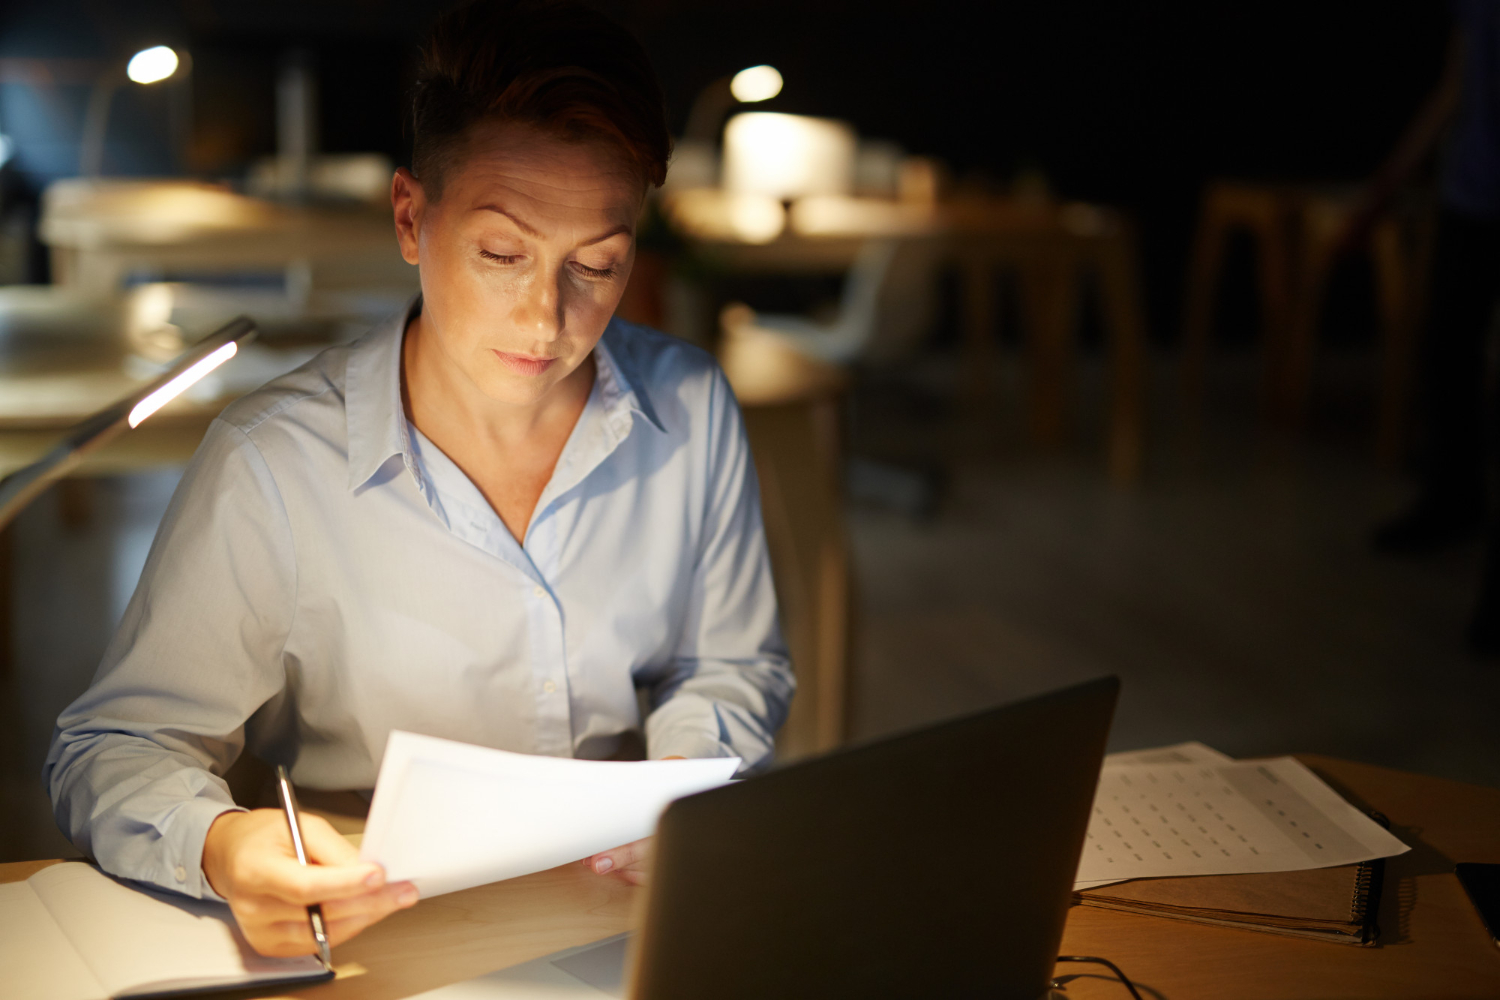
x=555, y=65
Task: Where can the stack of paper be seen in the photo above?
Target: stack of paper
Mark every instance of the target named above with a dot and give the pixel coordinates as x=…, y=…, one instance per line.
x=450, y=815
x=1190, y=810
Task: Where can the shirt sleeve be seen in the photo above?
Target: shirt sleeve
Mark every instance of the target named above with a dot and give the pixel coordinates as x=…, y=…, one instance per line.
x=136, y=764
x=728, y=688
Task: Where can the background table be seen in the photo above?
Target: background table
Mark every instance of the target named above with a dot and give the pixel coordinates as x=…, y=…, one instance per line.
x=1051, y=246
x=1433, y=944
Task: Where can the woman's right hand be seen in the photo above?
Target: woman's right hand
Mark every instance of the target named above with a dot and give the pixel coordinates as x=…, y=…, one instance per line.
x=249, y=860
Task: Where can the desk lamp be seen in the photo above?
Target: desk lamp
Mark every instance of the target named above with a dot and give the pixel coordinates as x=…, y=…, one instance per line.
x=146, y=67
x=24, y=485
x=749, y=86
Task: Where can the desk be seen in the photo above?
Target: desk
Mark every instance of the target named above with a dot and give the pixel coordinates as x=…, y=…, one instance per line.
x=1050, y=245
x=1433, y=943
x=99, y=231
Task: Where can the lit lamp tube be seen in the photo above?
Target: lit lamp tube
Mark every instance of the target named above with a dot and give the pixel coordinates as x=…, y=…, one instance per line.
x=24, y=485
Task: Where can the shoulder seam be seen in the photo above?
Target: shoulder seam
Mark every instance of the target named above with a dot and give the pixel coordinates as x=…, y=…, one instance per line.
x=286, y=518
x=261, y=416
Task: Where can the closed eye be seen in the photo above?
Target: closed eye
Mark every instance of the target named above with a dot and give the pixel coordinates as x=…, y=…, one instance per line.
x=594, y=272
x=500, y=258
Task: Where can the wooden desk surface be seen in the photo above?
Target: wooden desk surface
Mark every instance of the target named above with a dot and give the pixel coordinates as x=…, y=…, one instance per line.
x=1433, y=944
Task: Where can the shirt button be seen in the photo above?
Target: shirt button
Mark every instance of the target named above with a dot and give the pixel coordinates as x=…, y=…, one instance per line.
x=538, y=591
x=181, y=873
x=548, y=687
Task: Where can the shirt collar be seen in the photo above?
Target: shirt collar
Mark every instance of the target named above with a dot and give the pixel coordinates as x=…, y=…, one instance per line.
x=621, y=389
x=372, y=398
x=377, y=420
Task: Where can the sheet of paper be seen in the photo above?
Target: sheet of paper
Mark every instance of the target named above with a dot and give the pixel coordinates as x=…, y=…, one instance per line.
x=1214, y=818
x=38, y=960
x=136, y=941
x=1191, y=752
x=450, y=815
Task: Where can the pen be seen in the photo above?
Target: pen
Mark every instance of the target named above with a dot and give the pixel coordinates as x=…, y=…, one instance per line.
x=314, y=912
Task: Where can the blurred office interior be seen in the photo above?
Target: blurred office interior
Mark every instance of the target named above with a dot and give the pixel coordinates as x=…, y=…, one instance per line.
x=1055, y=353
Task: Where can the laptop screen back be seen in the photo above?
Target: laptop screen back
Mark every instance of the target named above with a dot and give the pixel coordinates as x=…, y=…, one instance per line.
x=939, y=863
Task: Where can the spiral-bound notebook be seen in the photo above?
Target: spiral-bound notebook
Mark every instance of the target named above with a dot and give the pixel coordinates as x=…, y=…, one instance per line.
x=1328, y=904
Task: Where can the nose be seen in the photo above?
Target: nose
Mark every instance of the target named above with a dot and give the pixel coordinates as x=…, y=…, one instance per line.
x=539, y=313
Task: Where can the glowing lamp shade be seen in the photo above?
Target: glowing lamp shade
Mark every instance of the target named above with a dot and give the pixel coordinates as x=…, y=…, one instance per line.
x=788, y=156
x=758, y=83
x=152, y=65
x=182, y=383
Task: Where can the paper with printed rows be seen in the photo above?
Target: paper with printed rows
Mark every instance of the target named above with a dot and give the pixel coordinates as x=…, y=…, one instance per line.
x=1189, y=810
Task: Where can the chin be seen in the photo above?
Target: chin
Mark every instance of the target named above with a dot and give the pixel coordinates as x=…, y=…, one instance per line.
x=517, y=390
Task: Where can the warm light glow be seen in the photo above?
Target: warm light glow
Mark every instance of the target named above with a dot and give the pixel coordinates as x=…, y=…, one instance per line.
x=758, y=83
x=788, y=156
x=714, y=214
x=756, y=219
x=151, y=65
x=161, y=397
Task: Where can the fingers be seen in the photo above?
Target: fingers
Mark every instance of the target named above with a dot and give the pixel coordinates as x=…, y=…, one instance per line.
x=281, y=940
x=344, y=925
x=382, y=902
x=325, y=845
x=276, y=927
x=622, y=859
x=304, y=885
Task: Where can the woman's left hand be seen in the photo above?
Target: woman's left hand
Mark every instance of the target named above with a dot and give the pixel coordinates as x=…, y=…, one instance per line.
x=630, y=861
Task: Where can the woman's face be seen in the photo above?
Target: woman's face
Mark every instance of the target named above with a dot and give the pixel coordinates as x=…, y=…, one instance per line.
x=523, y=257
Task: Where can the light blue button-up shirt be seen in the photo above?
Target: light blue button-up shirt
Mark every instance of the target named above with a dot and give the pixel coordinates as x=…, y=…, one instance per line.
x=325, y=574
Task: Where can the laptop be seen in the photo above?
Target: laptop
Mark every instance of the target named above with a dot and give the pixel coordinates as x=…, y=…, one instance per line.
x=938, y=863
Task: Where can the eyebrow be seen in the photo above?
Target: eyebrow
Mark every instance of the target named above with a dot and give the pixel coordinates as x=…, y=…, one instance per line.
x=529, y=231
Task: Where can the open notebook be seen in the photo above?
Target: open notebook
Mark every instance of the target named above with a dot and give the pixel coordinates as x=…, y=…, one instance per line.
x=70, y=932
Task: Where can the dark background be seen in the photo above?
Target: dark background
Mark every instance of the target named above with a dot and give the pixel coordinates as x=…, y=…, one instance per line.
x=1134, y=104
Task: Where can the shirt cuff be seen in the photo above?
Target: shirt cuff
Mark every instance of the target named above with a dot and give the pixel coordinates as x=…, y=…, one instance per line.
x=188, y=829
x=687, y=743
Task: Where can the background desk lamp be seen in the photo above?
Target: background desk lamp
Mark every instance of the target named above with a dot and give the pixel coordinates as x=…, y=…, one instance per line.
x=24, y=485
x=146, y=67
x=748, y=86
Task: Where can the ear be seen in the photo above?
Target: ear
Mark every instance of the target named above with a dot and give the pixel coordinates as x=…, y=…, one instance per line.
x=409, y=202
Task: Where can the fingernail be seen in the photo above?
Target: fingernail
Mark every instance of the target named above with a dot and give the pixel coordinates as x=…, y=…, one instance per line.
x=375, y=878
x=407, y=896
x=603, y=865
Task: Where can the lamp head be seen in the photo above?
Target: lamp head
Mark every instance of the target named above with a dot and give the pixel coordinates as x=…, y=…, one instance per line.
x=152, y=65
x=758, y=83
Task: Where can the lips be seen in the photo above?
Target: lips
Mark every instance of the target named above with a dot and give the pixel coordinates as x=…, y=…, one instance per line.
x=523, y=365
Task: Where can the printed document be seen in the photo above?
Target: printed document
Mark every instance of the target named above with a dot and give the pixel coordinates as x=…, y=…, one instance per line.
x=1217, y=817
x=450, y=815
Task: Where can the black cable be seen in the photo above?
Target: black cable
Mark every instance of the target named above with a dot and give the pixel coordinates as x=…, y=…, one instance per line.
x=1105, y=962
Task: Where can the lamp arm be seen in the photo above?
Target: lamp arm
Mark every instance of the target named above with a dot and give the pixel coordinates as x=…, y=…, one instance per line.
x=24, y=485
x=96, y=123
x=707, y=113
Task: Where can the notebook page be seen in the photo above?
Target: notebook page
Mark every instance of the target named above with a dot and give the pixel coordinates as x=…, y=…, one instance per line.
x=450, y=815
x=138, y=942
x=39, y=962
x=1157, y=820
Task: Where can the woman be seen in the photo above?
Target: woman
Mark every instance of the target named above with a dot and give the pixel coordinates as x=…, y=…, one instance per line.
x=493, y=518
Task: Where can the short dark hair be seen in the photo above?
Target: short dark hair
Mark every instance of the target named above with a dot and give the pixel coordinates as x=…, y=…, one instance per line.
x=555, y=65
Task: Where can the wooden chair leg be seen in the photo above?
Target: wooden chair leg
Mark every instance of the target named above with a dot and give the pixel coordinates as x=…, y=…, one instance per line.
x=1126, y=328
x=1274, y=263
x=1048, y=293
x=1290, y=383
x=1393, y=306
x=1400, y=275
x=979, y=331
x=1204, y=270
